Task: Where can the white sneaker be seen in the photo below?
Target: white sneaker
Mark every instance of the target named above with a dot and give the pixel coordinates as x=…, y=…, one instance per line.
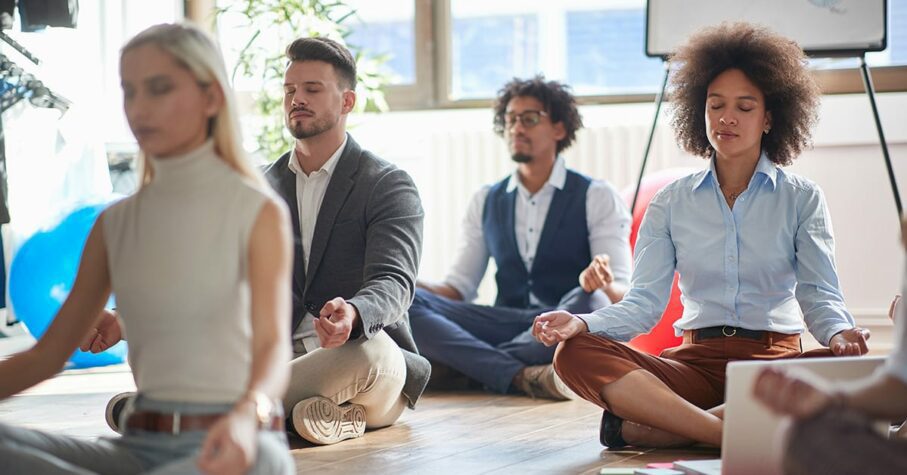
x=320, y=421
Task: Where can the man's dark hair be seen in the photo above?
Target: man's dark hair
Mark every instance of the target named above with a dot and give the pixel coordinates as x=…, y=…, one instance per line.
x=556, y=98
x=327, y=50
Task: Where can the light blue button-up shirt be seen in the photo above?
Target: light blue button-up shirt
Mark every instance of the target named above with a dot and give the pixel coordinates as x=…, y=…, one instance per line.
x=756, y=266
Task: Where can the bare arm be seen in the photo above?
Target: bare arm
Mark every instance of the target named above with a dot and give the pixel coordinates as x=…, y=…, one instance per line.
x=599, y=275
x=80, y=310
x=802, y=395
x=104, y=333
x=883, y=397
x=609, y=223
x=270, y=267
x=616, y=291
x=230, y=444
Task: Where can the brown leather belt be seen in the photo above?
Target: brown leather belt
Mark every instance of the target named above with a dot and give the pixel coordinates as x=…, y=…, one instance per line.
x=176, y=423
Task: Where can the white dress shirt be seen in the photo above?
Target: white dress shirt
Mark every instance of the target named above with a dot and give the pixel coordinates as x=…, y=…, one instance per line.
x=310, y=191
x=607, y=218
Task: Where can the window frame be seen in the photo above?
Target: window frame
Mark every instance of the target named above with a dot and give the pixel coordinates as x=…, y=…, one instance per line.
x=433, y=68
x=832, y=81
x=421, y=93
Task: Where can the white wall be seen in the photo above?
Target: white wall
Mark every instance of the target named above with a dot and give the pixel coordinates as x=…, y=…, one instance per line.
x=448, y=154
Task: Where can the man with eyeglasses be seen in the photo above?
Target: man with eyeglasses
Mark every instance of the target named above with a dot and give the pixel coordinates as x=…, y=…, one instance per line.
x=548, y=229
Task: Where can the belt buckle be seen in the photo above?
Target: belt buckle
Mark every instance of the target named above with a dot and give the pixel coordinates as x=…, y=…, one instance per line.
x=175, y=427
x=725, y=333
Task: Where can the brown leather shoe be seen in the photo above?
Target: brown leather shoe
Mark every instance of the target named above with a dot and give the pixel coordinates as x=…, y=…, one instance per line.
x=609, y=432
x=542, y=382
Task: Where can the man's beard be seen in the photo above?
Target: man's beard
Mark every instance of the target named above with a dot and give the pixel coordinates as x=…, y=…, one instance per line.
x=317, y=127
x=521, y=158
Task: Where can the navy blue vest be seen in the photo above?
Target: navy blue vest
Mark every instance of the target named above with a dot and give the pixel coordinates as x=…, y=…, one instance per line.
x=563, y=251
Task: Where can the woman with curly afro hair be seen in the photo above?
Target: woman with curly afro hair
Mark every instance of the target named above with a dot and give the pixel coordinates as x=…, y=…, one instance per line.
x=752, y=243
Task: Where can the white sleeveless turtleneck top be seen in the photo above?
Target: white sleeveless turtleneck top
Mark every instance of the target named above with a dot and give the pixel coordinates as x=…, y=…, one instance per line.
x=178, y=252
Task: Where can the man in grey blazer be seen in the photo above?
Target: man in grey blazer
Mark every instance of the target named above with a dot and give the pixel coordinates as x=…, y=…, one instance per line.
x=357, y=223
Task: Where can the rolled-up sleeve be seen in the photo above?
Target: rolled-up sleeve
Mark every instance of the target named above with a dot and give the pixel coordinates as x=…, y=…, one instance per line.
x=609, y=224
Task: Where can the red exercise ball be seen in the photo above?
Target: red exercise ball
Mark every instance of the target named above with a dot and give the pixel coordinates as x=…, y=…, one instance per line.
x=662, y=336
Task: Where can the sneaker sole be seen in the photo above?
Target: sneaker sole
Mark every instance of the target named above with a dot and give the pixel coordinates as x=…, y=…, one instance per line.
x=320, y=421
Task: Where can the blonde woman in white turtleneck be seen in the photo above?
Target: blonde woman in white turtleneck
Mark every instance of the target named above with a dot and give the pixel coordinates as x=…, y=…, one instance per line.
x=199, y=259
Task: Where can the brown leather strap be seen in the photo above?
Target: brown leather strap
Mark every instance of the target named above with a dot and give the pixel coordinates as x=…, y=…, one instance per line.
x=176, y=423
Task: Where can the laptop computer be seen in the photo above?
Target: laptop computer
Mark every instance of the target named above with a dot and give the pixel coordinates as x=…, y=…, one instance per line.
x=750, y=443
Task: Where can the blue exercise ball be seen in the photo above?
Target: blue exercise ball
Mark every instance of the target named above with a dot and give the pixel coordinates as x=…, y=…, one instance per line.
x=42, y=273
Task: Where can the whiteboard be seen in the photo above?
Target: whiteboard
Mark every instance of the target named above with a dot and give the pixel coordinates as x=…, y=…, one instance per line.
x=820, y=27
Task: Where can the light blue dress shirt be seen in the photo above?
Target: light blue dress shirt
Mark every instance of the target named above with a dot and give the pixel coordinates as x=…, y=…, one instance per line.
x=756, y=266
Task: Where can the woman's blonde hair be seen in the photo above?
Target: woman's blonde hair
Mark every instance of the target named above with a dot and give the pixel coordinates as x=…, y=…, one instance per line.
x=194, y=50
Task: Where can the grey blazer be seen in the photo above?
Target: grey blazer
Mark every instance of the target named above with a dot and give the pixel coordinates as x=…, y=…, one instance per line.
x=365, y=248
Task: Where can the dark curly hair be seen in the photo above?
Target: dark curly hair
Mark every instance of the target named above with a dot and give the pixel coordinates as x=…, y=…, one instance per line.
x=775, y=64
x=556, y=98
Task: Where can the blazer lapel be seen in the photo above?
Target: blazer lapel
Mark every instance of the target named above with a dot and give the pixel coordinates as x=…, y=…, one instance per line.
x=284, y=182
x=334, y=198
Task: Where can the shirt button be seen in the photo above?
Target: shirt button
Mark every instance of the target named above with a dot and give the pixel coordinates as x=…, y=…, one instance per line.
x=731, y=259
x=530, y=230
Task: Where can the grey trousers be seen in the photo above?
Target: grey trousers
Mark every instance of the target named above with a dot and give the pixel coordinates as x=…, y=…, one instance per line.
x=842, y=442
x=29, y=452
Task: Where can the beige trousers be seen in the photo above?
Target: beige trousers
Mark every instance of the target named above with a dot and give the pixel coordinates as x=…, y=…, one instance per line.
x=367, y=372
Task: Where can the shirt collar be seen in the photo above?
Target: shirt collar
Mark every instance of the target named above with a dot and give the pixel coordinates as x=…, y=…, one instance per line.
x=557, y=179
x=329, y=166
x=767, y=168
x=764, y=166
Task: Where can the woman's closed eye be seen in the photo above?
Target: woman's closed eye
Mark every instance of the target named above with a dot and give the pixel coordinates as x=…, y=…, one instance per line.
x=160, y=90
x=159, y=86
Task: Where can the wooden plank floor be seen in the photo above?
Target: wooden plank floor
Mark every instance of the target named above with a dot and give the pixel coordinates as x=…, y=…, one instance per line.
x=466, y=432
